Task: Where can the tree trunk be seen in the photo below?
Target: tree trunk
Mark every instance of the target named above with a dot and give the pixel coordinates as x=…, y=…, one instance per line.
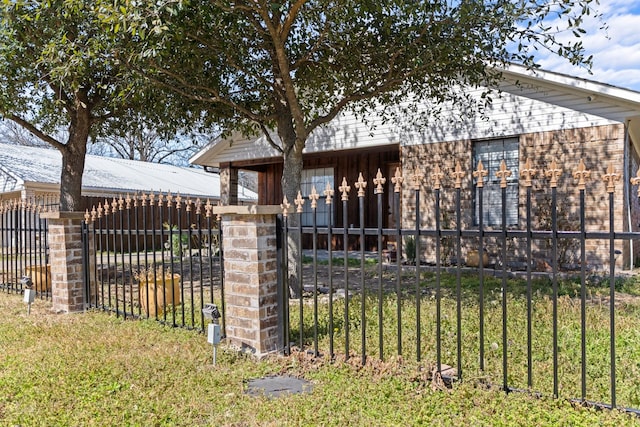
x=291, y=177
x=73, y=158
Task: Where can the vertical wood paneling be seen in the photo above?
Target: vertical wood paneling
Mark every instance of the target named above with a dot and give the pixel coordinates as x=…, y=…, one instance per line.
x=346, y=164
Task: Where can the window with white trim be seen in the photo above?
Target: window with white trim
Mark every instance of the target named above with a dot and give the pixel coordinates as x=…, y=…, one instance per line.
x=317, y=178
x=491, y=153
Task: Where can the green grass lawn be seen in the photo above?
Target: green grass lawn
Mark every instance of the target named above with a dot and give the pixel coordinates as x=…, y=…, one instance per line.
x=95, y=369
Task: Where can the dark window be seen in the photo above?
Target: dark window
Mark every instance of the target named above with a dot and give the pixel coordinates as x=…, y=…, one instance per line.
x=317, y=178
x=491, y=153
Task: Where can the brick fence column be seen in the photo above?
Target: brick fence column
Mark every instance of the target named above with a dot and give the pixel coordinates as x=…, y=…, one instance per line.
x=251, y=277
x=65, y=257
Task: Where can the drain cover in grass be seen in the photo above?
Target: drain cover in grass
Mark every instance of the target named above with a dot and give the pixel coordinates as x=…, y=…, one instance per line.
x=276, y=386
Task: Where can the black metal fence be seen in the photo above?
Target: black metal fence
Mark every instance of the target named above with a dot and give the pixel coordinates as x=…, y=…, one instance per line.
x=154, y=256
x=528, y=330
x=24, y=249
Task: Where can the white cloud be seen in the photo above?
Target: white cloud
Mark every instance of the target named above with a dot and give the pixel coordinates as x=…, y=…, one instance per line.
x=616, y=51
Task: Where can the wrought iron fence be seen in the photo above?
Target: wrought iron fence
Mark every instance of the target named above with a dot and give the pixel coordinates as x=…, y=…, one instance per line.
x=24, y=251
x=154, y=256
x=425, y=307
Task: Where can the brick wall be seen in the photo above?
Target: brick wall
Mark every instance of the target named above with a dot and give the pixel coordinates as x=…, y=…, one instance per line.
x=597, y=146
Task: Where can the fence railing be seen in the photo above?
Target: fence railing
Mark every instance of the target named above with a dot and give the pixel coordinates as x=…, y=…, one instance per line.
x=154, y=256
x=24, y=252
x=557, y=335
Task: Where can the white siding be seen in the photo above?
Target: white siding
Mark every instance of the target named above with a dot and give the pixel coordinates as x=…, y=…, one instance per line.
x=345, y=132
x=510, y=115
x=529, y=102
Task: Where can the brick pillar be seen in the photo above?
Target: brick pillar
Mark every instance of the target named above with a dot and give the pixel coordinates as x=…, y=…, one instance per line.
x=228, y=186
x=251, y=277
x=65, y=257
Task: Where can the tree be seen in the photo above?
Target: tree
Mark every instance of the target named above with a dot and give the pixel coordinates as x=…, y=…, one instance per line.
x=291, y=66
x=13, y=133
x=284, y=68
x=145, y=142
x=58, y=68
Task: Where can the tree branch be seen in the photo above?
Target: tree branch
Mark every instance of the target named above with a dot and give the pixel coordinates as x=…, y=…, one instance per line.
x=291, y=17
x=284, y=74
x=37, y=132
x=215, y=97
x=269, y=139
x=60, y=93
x=333, y=112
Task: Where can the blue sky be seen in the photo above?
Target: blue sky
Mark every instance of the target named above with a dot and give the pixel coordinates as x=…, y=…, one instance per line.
x=616, y=50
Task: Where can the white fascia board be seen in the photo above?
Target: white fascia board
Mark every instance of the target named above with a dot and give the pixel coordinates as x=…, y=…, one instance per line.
x=207, y=155
x=617, y=95
x=43, y=187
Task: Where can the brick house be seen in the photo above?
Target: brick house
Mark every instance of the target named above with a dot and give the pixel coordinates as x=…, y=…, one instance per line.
x=537, y=115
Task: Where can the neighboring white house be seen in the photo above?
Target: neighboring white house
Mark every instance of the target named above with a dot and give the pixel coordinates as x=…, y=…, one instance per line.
x=32, y=173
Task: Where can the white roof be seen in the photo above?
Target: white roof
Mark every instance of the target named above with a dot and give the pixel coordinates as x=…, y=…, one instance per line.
x=531, y=101
x=34, y=166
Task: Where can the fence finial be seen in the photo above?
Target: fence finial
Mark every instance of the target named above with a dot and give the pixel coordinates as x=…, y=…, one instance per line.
x=198, y=206
x=344, y=189
x=285, y=205
x=121, y=203
x=128, y=201
x=553, y=174
x=610, y=178
x=635, y=180
x=299, y=202
x=397, y=180
x=328, y=192
x=436, y=177
x=416, y=177
x=188, y=204
x=207, y=209
x=100, y=210
x=87, y=217
x=581, y=174
x=160, y=200
x=361, y=184
x=114, y=206
x=93, y=214
x=151, y=199
x=379, y=181
x=503, y=174
x=480, y=173
x=458, y=174
x=313, y=197
x=528, y=172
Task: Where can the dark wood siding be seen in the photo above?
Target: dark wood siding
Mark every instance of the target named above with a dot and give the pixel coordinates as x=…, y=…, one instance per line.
x=346, y=164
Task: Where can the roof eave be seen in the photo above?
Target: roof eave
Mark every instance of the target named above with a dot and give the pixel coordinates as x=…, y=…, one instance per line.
x=620, y=96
